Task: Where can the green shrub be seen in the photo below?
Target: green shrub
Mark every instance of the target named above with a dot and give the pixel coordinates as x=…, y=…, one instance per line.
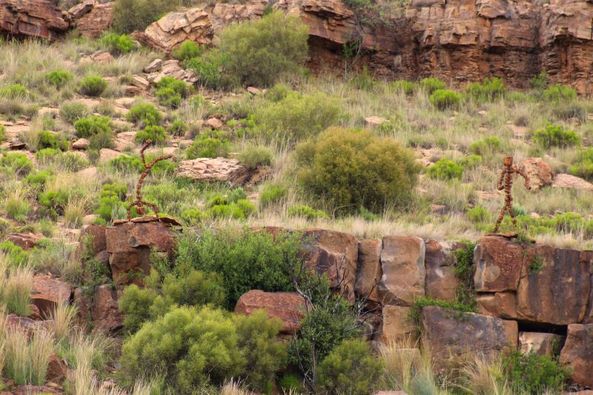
x=556, y=136
x=350, y=368
x=92, y=125
x=486, y=146
x=48, y=139
x=187, y=50
x=73, y=111
x=92, y=85
x=445, y=169
x=570, y=111
x=117, y=43
x=111, y=202
x=583, y=166
x=432, y=84
x=261, y=51
x=59, y=78
x=231, y=205
x=558, y=93
x=478, y=215
x=15, y=254
x=487, y=90
x=405, y=86
x=54, y=202
x=254, y=156
x=210, y=70
x=278, y=92
x=154, y=133
x=540, y=81
x=127, y=164
x=71, y=161
x=17, y=208
x=170, y=91
x=245, y=259
x=192, y=216
x=534, y=374
x=16, y=163
x=38, y=179
x=133, y=15
x=444, y=99
x=46, y=155
x=209, y=145
x=353, y=169
x=304, y=211
x=178, y=128
x=14, y=91
x=297, y=116
x=144, y=114
x=470, y=161
x=187, y=348
x=2, y=133
x=272, y=193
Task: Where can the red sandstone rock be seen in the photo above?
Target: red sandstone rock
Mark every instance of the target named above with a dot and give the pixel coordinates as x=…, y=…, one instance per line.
x=539, y=172
x=498, y=264
x=441, y=282
x=95, y=21
x=547, y=344
x=56, y=370
x=577, y=353
x=369, y=269
x=32, y=18
x=105, y=313
x=24, y=240
x=396, y=324
x=48, y=293
x=289, y=307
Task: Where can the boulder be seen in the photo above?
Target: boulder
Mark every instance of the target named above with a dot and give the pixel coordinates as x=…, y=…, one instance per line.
x=571, y=182
x=25, y=324
x=48, y=292
x=554, y=286
x=93, y=237
x=214, y=169
x=451, y=335
x=499, y=304
x=129, y=245
x=214, y=123
x=441, y=282
x=96, y=20
x=105, y=313
x=57, y=369
x=32, y=18
x=498, y=264
x=81, y=144
x=397, y=325
x=334, y=254
x=539, y=172
x=107, y=154
x=374, y=121
x=404, y=274
x=577, y=353
x=125, y=141
x=24, y=240
x=288, y=307
x=548, y=344
x=369, y=269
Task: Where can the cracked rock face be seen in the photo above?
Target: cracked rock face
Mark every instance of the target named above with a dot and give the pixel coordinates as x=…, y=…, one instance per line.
x=32, y=18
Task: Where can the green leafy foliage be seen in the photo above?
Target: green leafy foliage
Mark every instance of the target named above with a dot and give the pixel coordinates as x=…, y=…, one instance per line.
x=187, y=50
x=432, y=84
x=14, y=91
x=304, y=211
x=209, y=67
x=16, y=163
x=583, y=165
x=230, y=205
x=212, y=144
x=111, y=202
x=444, y=99
x=48, y=139
x=558, y=93
x=73, y=111
x=486, y=146
x=16, y=255
x=445, y=169
x=254, y=156
x=117, y=43
x=556, y=136
x=133, y=15
x=271, y=194
x=170, y=91
x=92, y=85
x=350, y=169
x=534, y=374
x=422, y=302
x=144, y=114
x=350, y=368
x=59, y=78
x=156, y=134
x=405, y=86
x=177, y=128
x=487, y=90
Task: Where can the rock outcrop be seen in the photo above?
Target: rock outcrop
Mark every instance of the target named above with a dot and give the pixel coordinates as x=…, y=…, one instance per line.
x=91, y=18
x=32, y=18
x=288, y=307
x=577, y=353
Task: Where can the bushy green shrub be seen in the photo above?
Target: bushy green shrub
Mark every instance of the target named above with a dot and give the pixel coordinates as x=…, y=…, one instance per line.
x=487, y=90
x=154, y=133
x=73, y=111
x=17, y=208
x=127, y=164
x=260, y=51
x=558, y=93
x=92, y=125
x=231, y=205
x=272, y=193
x=444, y=99
x=92, y=85
x=170, y=91
x=350, y=368
x=254, y=156
x=297, y=116
x=556, y=136
x=352, y=169
x=117, y=43
x=193, y=216
x=2, y=133
x=278, y=92
x=15, y=254
x=132, y=15
x=48, y=139
x=210, y=70
x=111, y=202
x=144, y=114
x=209, y=145
x=540, y=81
x=245, y=259
x=54, y=202
x=16, y=163
x=187, y=50
x=569, y=111
x=470, y=161
x=478, y=214
x=304, y=211
x=38, y=179
x=534, y=374
x=445, y=169
x=14, y=91
x=583, y=166
x=486, y=146
x=405, y=86
x=431, y=84
x=177, y=128
x=59, y=78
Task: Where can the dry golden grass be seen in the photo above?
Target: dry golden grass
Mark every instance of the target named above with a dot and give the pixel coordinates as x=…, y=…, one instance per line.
x=17, y=290
x=62, y=321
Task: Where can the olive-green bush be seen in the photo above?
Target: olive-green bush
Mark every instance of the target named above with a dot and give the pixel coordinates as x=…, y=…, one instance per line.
x=445, y=169
x=58, y=78
x=556, y=136
x=212, y=144
x=16, y=163
x=444, y=99
x=92, y=85
x=349, y=169
x=490, y=89
x=583, y=165
x=156, y=134
x=73, y=111
x=132, y=15
x=118, y=43
x=431, y=84
x=144, y=114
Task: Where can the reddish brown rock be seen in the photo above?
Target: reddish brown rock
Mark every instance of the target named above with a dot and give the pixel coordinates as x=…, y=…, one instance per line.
x=369, y=269
x=499, y=304
x=95, y=21
x=498, y=264
x=568, y=181
x=214, y=169
x=334, y=254
x=397, y=325
x=129, y=245
x=450, y=334
x=56, y=370
x=105, y=313
x=577, y=353
x=404, y=274
x=24, y=324
x=48, y=293
x=93, y=237
x=441, y=282
x=288, y=307
x=24, y=240
x=539, y=172
x=548, y=344
x=554, y=286
x=32, y=18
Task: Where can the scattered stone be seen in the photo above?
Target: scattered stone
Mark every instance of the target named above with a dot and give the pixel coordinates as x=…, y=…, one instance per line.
x=539, y=172
x=125, y=141
x=547, y=344
x=214, y=123
x=214, y=169
x=154, y=66
x=88, y=174
x=577, y=353
x=89, y=219
x=254, y=91
x=288, y=307
x=140, y=82
x=81, y=144
x=102, y=57
x=374, y=121
x=571, y=182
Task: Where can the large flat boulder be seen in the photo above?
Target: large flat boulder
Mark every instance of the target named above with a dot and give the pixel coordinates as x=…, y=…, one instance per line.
x=288, y=307
x=577, y=353
x=105, y=312
x=214, y=169
x=402, y=263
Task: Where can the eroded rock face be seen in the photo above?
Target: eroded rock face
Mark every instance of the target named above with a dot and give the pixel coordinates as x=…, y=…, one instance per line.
x=548, y=344
x=288, y=307
x=498, y=264
x=539, y=172
x=404, y=273
x=92, y=18
x=396, y=324
x=214, y=169
x=48, y=293
x=441, y=282
x=32, y=18
x=577, y=353
x=369, y=269
x=105, y=313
